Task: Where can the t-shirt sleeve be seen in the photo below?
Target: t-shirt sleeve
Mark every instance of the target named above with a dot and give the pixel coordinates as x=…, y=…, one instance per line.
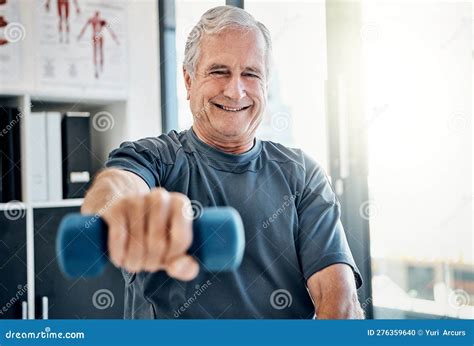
x=321, y=237
x=138, y=157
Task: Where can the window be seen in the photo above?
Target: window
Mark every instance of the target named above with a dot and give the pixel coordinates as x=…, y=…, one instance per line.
x=417, y=69
x=418, y=87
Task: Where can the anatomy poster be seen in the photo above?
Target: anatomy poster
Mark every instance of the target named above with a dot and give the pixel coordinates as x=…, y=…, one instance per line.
x=12, y=34
x=81, y=44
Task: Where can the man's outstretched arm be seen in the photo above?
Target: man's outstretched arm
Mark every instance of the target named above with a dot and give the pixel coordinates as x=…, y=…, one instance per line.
x=147, y=229
x=108, y=186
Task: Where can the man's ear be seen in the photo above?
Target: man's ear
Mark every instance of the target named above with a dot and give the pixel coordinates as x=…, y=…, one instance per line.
x=187, y=82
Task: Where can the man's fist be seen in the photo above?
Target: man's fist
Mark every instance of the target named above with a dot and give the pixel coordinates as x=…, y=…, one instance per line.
x=151, y=232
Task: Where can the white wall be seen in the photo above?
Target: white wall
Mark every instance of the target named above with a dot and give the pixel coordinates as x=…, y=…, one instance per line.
x=143, y=109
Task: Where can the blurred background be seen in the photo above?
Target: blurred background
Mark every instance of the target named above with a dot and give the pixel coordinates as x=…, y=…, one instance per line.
x=378, y=92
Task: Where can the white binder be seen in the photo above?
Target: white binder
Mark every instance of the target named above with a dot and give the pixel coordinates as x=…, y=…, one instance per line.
x=37, y=157
x=54, y=156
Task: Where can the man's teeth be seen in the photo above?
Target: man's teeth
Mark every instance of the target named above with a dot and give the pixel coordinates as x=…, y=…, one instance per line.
x=230, y=109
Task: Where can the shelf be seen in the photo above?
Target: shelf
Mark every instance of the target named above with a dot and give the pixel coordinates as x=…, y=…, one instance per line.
x=13, y=205
x=80, y=97
x=135, y=110
x=73, y=202
x=17, y=205
x=71, y=96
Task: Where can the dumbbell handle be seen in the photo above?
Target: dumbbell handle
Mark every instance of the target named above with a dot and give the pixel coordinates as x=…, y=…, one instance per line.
x=218, y=242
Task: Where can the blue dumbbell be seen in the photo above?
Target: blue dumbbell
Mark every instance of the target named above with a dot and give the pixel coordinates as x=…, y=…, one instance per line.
x=218, y=242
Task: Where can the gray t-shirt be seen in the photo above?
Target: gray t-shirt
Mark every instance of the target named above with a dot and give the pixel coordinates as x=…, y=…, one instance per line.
x=290, y=214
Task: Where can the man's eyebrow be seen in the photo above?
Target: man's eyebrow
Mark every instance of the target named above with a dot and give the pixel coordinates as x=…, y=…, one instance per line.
x=217, y=67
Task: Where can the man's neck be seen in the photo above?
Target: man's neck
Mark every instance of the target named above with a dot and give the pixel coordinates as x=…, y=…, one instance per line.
x=227, y=147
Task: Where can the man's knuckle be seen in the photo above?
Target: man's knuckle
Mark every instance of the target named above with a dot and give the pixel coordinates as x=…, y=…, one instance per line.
x=179, y=199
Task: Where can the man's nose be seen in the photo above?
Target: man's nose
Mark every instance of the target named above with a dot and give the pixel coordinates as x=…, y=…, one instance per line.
x=235, y=89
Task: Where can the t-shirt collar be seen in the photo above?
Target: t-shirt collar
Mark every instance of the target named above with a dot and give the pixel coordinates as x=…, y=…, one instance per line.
x=218, y=154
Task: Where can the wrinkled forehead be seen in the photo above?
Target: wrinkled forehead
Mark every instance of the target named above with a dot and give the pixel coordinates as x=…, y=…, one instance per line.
x=234, y=47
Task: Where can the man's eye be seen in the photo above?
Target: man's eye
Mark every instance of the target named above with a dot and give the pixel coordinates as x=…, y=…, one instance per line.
x=251, y=75
x=218, y=72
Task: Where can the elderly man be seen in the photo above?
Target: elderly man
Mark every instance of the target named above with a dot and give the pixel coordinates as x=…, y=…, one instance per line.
x=296, y=264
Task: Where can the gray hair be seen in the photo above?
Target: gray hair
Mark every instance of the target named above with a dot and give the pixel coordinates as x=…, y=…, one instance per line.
x=215, y=20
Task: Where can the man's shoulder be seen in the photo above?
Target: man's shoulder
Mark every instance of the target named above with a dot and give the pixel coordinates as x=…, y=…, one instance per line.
x=284, y=154
x=172, y=139
x=165, y=146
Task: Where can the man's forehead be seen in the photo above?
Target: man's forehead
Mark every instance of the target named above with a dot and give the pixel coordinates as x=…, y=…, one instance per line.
x=242, y=34
x=231, y=48
x=235, y=39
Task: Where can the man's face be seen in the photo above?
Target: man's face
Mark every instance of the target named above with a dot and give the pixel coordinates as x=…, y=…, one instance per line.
x=228, y=94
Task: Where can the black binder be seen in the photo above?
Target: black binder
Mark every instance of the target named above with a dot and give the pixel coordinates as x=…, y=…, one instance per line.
x=76, y=151
x=10, y=153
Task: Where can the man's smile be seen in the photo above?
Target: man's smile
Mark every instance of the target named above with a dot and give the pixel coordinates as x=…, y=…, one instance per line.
x=230, y=109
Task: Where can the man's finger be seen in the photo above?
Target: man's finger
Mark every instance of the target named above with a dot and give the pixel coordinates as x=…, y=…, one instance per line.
x=157, y=205
x=183, y=268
